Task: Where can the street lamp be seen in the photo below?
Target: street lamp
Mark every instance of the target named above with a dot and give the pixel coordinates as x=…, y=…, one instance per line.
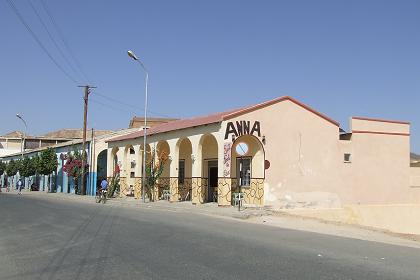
x=22, y=146
x=143, y=179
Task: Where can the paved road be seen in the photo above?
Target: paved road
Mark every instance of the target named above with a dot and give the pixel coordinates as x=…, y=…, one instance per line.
x=43, y=238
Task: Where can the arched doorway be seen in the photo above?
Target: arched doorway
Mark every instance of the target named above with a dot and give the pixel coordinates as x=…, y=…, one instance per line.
x=209, y=172
x=115, y=161
x=248, y=169
x=129, y=170
x=185, y=169
x=163, y=148
x=163, y=183
x=101, y=166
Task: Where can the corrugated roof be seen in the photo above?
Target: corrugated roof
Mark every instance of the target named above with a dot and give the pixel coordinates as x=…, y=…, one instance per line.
x=74, y=133
x=72, y=142
x=214, y=118
x=13, y=134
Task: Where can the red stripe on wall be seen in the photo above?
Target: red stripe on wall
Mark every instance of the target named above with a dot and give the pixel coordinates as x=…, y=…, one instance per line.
x=378, y=132
x=379, y=120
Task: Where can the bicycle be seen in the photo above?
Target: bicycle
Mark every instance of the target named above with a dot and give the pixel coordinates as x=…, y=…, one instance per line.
x=100, y=196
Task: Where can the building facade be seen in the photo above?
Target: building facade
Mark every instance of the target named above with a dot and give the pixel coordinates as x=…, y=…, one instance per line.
x=16, y=141
x=96, y=150
x=278, y=153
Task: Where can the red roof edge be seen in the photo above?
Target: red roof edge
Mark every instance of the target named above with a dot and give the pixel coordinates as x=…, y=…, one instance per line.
x=274, y=101
x=379, y=120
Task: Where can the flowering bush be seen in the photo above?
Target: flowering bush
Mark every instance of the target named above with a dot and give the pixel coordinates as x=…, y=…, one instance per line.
x=73, y=167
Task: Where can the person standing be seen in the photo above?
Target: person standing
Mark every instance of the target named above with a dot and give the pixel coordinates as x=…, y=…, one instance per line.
x=19, y=185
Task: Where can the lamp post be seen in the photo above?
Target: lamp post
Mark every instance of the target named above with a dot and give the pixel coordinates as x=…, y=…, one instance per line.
x=143, y=179
x=22, y=146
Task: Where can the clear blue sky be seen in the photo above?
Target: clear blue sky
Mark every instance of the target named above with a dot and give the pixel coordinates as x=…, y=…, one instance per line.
x=343, y=58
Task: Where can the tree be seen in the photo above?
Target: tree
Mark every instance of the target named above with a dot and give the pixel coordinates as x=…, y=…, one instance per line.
x=2, y=169
x=73, y=167
x=48, y=163
x=28, y=167
x=18, y=166
x=25, y=167
x=154, y=171
x=35, y=164
x=11, y=169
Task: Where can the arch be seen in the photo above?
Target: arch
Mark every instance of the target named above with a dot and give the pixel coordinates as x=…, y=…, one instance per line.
x=255, y=151
x=208, y=149
x=115, y=160
x=163, y=147
x=101, y=166
x=129, y=159
x=250, y=180
x=140, y=156
x=185, y=162
x=185, y=151
x=129, y=169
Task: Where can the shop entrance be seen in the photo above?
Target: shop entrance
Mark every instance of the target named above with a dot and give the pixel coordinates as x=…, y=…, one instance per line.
x=213, y=182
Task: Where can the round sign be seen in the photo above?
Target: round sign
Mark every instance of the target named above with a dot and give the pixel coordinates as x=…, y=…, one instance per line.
x=267, y=164
x=241, y=149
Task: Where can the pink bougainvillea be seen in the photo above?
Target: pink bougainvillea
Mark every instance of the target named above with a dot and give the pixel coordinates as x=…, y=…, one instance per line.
x=73, y=167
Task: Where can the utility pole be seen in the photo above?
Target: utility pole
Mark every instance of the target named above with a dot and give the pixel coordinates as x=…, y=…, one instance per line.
x=85, y=98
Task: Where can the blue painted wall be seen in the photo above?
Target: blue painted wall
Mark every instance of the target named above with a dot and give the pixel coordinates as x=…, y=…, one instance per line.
x=61, y=183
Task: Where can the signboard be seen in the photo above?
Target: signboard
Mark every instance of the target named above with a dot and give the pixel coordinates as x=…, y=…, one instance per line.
x=240, y=128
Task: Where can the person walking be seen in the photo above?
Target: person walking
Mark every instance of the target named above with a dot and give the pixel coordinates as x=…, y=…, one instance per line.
x=19, y=185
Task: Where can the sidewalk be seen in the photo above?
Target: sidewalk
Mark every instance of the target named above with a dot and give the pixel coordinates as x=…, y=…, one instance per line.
x=261, y=216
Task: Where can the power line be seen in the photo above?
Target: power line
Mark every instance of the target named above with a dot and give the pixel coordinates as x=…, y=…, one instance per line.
x=16, y=11
x=51, y=37
x=110, y=106
x=124, y=109
x=118, y=101
x=130, y=105
x=63, y=39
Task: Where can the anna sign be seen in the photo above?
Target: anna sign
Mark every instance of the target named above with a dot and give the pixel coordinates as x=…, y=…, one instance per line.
x=240, y=128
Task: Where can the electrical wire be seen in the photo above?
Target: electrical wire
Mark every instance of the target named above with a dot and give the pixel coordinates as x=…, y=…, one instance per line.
x=110, y=106
x=16, y=11
x=124, y=109
x=52, y=38
x=63, y=39
x=130, y=105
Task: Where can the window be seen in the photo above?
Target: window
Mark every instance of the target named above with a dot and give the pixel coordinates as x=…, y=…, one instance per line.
x=132, y=175
x=243, y=171
x=181, y=171
x=132, y=152
x=347, y=157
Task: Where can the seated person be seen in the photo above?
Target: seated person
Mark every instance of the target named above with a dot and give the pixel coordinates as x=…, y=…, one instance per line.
x=104, y=185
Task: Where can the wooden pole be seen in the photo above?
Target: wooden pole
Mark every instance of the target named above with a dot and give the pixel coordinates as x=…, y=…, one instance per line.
x=84, y=155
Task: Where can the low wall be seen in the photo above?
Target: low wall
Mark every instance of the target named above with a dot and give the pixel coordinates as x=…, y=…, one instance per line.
x=404, y=218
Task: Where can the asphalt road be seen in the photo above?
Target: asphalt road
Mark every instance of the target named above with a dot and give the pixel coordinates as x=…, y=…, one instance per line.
x=43, y=238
